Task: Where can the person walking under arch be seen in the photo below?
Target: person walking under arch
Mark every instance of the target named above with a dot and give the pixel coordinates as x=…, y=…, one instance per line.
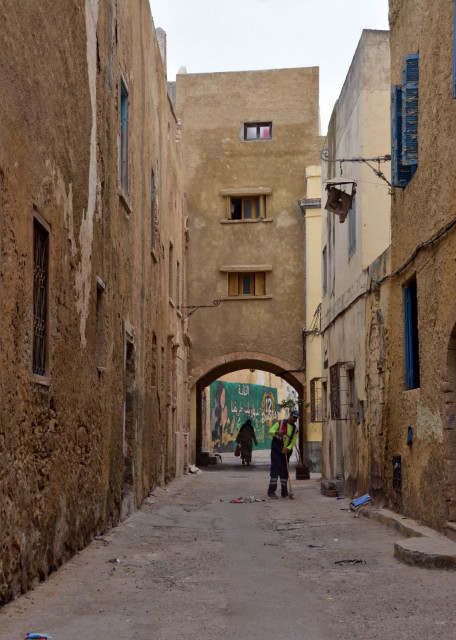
x=284, y=435
x=244, y=438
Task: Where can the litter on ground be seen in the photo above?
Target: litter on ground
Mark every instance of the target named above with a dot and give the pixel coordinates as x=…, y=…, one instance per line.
x=249, y=499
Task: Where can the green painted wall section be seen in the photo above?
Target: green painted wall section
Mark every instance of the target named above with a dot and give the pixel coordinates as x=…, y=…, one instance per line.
x=231, y=404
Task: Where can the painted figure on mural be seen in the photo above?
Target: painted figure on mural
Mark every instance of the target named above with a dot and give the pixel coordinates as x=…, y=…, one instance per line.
x=219, y=415
x=244, y=438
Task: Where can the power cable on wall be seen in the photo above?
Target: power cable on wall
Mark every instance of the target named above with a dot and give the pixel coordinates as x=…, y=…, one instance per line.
x=402, y=268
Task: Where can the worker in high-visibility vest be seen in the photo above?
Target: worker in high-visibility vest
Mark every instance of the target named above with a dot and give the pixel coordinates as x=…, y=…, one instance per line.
x=284, y=435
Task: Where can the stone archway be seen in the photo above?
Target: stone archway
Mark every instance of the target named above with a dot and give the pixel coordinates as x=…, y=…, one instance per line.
x=449, y=420
x=235, y=362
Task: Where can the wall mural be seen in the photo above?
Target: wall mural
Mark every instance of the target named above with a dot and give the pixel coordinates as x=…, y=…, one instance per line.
x=232, y=403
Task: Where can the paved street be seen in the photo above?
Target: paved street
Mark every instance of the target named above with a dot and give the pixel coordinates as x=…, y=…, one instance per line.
x=189, y=564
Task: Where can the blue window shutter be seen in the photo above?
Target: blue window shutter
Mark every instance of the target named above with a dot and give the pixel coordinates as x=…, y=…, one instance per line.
x=400, y=175
x=410, y=76
x=454, y=51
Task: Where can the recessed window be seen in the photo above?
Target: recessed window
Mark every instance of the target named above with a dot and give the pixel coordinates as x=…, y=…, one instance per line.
x=325, y=271
x=123, y=136
x=247, y=284
x=245, y=208
x=101, y=328
x=352, y=229
x=412, y=351
x=257, y=131
x=40, y=298
x=170, y=270
x=152, y=209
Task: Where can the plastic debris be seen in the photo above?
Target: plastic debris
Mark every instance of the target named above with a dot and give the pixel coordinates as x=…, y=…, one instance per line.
x=350, y=562
x=194, y=469
x=249, y=499
x=37, y=636
x=315, y=546
x=362, y=500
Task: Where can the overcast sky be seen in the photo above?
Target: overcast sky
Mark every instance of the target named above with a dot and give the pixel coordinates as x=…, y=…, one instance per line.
x=241, y=35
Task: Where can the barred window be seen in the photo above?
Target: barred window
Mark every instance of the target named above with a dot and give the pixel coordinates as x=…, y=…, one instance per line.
x=40, y=297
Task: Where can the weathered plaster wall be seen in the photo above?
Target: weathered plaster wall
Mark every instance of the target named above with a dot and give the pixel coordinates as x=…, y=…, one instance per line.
x=213, y=108
x=418, y=212
x=87, y=441
x=359, y=128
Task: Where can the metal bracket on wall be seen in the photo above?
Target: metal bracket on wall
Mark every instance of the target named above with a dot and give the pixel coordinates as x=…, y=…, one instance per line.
x=195, y=307
x=386, y=158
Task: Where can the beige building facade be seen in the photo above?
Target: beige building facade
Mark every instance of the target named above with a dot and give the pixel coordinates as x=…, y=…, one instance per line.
x=92, y=258
x=350, y=245
x=248, y=138
x=420, y=443
x=314, y=405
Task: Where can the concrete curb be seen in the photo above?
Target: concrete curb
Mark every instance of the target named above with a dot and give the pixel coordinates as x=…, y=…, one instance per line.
x=423, y=546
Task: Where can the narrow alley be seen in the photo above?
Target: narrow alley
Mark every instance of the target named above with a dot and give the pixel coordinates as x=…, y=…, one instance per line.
x=190, y=564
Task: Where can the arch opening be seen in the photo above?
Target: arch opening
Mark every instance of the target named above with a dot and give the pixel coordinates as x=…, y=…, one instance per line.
x=229, y=410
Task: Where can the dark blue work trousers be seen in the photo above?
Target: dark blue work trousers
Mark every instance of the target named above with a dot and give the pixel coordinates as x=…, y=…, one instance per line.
x=278, y=467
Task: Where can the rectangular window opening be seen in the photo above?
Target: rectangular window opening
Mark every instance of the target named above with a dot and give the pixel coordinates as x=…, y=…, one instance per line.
x=412, y=356
x=177, y=284
x=325, y=271
x=352, y=229
x=257, y=131
x=152, y=209
x=170, y=270
x=245, y=208
x=123, y=136
x=101, y=329
x=317, y=399
x=247, y=284
x=40, y=298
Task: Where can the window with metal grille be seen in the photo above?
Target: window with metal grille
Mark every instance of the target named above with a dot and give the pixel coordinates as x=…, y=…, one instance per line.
x=317, y=399
x=178, y=284
x=40, y=297
x=152, y=209
x=170, y=270
x=412, y=352
x=342, y=390
x=123, y=136
x=325, y=271
x=352, y=229
x=334, y=392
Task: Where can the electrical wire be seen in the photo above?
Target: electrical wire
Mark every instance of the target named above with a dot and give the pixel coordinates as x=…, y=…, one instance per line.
x=446, y=229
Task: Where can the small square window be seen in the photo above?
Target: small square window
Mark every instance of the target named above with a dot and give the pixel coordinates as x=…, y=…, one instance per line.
x=246, y=284
x=245, y=208
x=257, y=131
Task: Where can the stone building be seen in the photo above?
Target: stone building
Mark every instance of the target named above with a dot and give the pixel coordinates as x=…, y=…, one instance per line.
x=92, y=264
x=353, y=243
x=248, y=138
x=420, y=442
